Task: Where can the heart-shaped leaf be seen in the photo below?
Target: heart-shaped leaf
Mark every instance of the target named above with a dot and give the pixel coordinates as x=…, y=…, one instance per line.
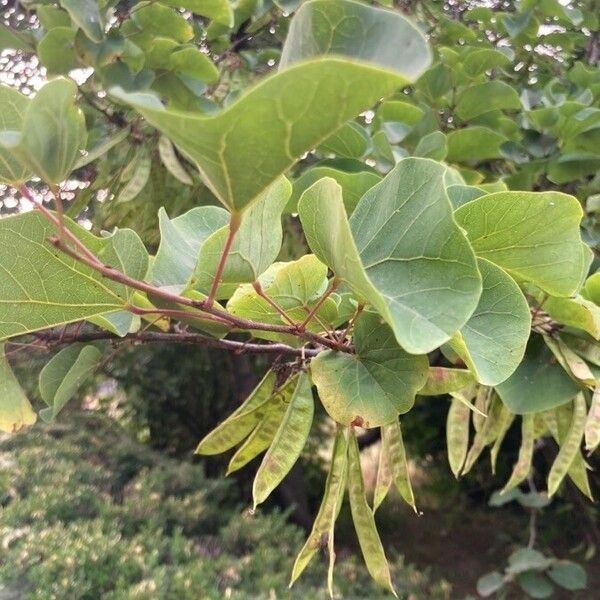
x=244, y=148
x=375, y=384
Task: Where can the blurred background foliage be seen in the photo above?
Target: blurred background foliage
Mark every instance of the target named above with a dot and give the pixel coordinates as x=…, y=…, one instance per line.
x=90, y=510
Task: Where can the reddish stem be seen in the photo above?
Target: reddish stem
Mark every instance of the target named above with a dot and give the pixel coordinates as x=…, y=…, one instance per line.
x=234, y=225
x=332, y=287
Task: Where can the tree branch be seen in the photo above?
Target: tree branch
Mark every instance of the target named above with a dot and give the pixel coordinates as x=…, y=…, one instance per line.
x=83, y=255
x=55, y=338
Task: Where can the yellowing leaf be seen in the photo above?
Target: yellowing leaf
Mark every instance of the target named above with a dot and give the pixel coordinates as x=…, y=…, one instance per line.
x=15, y=410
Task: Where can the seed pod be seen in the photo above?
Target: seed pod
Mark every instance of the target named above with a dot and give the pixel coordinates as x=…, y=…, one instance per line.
x=505, y=420
x=323, y=527
x=559, y=421
x=288, y=442
x=241, y=422
x=364, y=521
x=523, y=464
x=261, y=437
x=141, y=165
x=384, y=474
x=171, y=162
x=465, y=396
x=592, y=423
x=394, y=444
x=441, y=380
x=575, y=366
x=482, y=403
x=488, y=431
x=457, y=434
x=569, y=445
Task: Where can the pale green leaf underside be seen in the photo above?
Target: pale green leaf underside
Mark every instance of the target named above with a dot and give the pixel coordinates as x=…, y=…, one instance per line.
x=359, y=31
x=15, y=410
x=14, y=105
x=533, y=236
x=415, y=255
x=180, y=242
x=246, y=146
x=295, y=287
x=41, y=286
x=492, y=342
x=415, y=266
x=371, y=387
x=256, y=244
x=64, y=374
x=52, y=132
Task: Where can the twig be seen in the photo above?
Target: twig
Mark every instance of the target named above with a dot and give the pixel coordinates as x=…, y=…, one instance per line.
x=234, y=225
x=258, y=289
x=53, y=339
x=335, y=282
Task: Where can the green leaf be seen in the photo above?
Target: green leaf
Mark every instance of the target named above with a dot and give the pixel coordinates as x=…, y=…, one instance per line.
x=86, y=14
x=64, y=374
x=489, y=583
x=475, y=144
x=52, y=16
x=14, y=40
x=526, y=559
x=159, y=21
x=461, y=194
x=53, y=132
x=372, y=386
x=14, y=105
x=56, y=50
x=441, y=380
x=481, y=98
x=256, y=244
x=190, y=61
x=484, y=59
x=219, y=11
x=180, y=242
x=576, y=312
x=535, y=585
x=434, y=145
x=358, y=31
x=242, y=421
x=493, y=341
x=568, y=575
x=42, y=287
x=522, y=392
x=15, y=410
x=295, y=287
x=125, y=251
x=353, y=184
x=350, y=141
x=415, y=255
x=288, y=442
x=245, y=147
x=328, y=511
x=534, y=236
x=364, y=521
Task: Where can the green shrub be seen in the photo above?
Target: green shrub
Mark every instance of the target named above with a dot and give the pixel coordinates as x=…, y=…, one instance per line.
x=89, y=515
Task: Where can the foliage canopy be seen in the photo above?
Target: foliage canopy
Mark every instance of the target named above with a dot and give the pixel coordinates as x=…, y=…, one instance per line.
x=405, y=207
